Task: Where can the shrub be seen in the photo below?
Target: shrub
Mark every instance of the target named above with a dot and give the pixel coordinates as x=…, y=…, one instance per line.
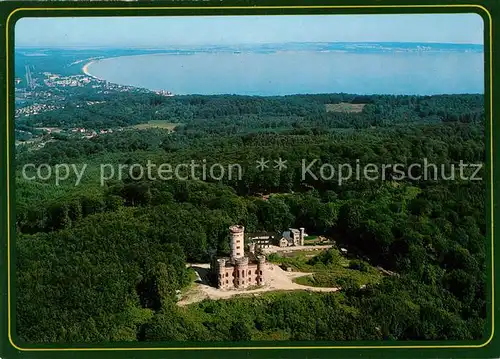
x=360, y=265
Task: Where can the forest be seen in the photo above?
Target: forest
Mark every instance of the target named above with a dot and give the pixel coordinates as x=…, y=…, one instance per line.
x=103, y=263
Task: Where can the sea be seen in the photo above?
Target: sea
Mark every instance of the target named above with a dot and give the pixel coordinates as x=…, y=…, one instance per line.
x=303, y=68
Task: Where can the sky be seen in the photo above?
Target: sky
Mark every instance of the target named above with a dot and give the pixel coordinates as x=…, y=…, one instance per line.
x=231, y=30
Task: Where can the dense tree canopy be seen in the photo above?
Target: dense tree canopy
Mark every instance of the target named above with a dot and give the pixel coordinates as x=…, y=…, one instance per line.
x=103, y=263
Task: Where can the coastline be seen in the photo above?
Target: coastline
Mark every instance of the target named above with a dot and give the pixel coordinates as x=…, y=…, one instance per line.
x=85, y=70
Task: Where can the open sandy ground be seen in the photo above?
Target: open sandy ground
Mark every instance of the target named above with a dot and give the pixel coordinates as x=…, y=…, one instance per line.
x=276, y=280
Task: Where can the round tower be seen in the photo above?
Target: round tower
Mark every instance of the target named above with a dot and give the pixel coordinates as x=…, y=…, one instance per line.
x=221, y=263
x=237, y=241
x=261, y=263
x=220, y=271
x=302, y=232
x=242, y=278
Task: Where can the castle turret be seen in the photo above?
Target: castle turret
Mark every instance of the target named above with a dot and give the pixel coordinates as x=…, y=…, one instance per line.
x=261, y=263
x=237, y=239
x=220, y=272
x=242, y=278
x=302, y=231
x=221, y=263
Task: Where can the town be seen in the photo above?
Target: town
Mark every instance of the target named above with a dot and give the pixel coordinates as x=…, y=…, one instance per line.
x=45, y=92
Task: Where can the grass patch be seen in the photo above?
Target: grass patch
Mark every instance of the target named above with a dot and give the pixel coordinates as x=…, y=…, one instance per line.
x=339, y=277
x=315, y=240
x=192, y=275
x=157, y=124
x=328, y=268
x=297, y=260
x=344, y=107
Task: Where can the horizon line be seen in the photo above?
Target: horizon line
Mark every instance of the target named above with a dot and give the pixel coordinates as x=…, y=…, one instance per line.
x=245, y=43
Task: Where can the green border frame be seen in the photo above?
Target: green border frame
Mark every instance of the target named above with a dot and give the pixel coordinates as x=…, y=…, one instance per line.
x=11, y=12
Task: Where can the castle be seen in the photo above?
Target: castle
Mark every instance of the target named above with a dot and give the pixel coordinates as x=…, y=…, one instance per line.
x=240, y=270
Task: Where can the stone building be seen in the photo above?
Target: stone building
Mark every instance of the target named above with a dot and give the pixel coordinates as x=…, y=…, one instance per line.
x=240, y=269
x=292, y=237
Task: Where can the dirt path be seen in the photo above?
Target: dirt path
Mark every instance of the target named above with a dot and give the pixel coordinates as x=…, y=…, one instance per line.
x=276, y=280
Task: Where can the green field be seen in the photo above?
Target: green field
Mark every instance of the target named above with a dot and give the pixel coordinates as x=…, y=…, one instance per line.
x=156, y=124
x=340, y=277
x=328, y=268
x=344, y=107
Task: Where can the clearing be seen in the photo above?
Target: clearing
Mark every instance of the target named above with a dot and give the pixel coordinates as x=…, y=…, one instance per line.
x=157, y=124
x=327, y=269
x=344, y=107
x=276, y=279
x=310, y=268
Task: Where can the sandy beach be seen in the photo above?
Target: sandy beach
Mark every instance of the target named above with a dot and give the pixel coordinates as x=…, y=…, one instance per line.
x=85, y=70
